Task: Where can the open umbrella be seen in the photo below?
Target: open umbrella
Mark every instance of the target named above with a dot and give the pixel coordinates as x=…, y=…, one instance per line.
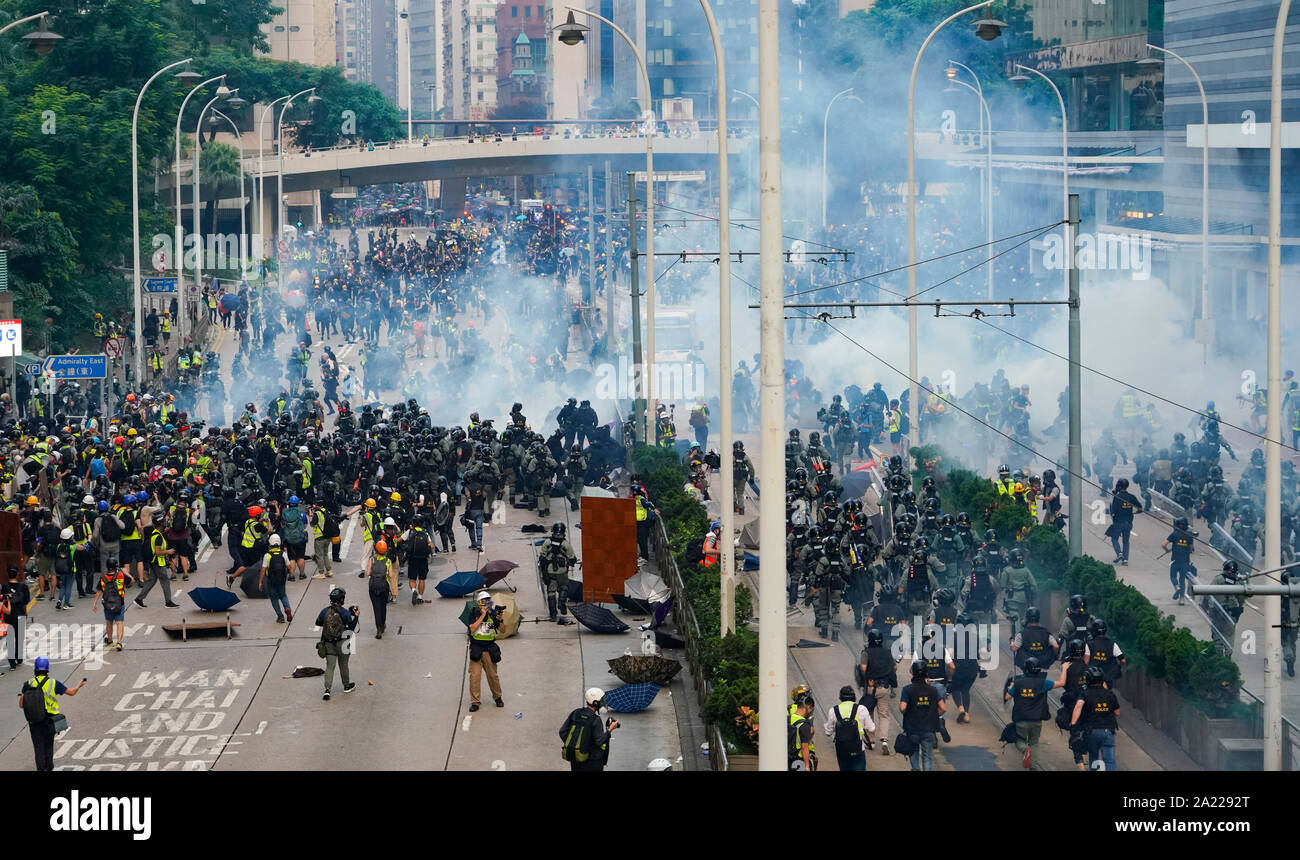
x=460, y=583
x=229, y=302
x=510, y=618
x=248, y=585
x=662, y=610
x=597, y=618
x=631, y=698
x=213, y=599
x=855, y=484
x=641, y=669
x=495, y=571
x=634, y=605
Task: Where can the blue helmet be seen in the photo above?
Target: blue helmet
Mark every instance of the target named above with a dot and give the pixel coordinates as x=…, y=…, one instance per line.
x=168, y=428
x=715, y=525
x=164, y=449
x=42, y=664
x=103, y=507
x=293, y=500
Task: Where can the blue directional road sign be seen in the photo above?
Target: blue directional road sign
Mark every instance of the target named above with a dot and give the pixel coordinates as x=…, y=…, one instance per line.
x=76, y=366
x=159, y=285
x=32, y=369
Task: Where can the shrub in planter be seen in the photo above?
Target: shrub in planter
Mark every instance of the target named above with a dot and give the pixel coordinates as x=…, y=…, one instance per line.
x=739, y=648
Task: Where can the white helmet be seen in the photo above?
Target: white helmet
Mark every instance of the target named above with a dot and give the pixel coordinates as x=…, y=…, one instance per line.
x=389, y=521
x=66, y=534
x=275, y=540
x=660, y=764
x=483, y=595
x=88, y=499
x=594, y=696
x=302, y=449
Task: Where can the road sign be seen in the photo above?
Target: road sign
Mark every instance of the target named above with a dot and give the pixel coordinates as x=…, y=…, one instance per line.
x=113, y=347
x=11, y=337
x=33, y=369
x=159, y=285
x=76, y=366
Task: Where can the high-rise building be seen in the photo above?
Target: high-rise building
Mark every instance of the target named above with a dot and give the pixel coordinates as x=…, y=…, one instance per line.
x=426, y=52
x=469, y=58
x=383, y=47
x=303, y=33
x=352, y=38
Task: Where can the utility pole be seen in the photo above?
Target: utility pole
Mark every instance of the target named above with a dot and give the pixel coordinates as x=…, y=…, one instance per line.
x=590, y=290
x=639, y=389
x=610, y=327
x=1075, y=454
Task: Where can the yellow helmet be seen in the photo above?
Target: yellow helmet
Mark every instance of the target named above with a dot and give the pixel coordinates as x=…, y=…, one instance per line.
x=370, y=503
x=396, y=497
x=799, y=690
x=132, y=432
x=1018, y=488
x=99, y=316
x=32, y=500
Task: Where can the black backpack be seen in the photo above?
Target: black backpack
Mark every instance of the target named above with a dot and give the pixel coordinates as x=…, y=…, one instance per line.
x=277, y=569
x=128, y=521
x=848, y=739
x=580, y=739
x=180, y=519
x=332, y=628
x=419, y=544
x=34, y=705
x=695, y=551
x=113, y=599
x=109, y=531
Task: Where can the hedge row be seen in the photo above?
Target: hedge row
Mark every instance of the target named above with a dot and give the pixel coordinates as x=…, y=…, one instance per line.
x=1191, y=666
x=730, y=663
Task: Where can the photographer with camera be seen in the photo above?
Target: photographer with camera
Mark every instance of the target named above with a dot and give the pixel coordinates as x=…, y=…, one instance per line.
x=336, y=626
x=585, y=739
x=484, y=653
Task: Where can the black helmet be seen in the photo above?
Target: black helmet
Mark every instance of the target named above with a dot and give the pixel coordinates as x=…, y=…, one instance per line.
x=895, y=462
x=831, y=543
x=1078, y=603
x=920, y=556
x=932, y=505
x=991, y=535
x=945, y=596
x=909, y=497
x=791, y=486
x=558, y=529
x=1180, y=523
x=794, y=434
x=1093, y=676
x=801, y=475
x=1032, y=615
x=1097, y=627
x=1216, y=471
x=900, y=529
x=1230, y=569
x=1075, y=649
x=945, y=522
x=829, y=498
x=927, y=482
x=738, y=445
x=1032, y=666
x=1004, y=469
x=963, y=519
x=922, y=542
x=979, y=562
x=1017, y=556
x=337, y=595
x=1257, y=456
x=814, y=437
x=875, y=639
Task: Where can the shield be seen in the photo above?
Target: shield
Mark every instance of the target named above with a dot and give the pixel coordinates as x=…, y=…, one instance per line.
x=460, y=583
x=631, y=698
x=638, y=669
x=213, y=599
x=495, y=571
x=597, y=618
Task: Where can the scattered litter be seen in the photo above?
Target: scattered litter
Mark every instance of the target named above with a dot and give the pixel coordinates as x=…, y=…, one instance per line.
x=430, y=675
x=808, y=643
x=370, y=683
x=519, y=715
x=306, y=672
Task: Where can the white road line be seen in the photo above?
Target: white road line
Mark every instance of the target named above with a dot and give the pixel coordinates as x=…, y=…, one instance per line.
x=347, y=538
x=260, y=727
x=109, y=679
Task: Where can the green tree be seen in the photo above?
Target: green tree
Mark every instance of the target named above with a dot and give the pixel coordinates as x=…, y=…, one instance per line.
x=40, y=260
x=219, y=168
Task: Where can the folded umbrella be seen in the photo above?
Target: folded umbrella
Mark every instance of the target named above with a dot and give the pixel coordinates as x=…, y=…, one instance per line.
x=597, y=618
x=642, y=669
x=631, y=698
x=662, y=610
x=213, y=599
x=460, y=583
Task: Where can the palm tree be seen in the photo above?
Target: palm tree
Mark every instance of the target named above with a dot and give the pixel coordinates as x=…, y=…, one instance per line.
x=219, y=167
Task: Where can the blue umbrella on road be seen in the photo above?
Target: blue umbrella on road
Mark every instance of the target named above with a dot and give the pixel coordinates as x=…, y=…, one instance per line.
x=460, y=583
x=213, y=599
x=631, y=698
x=229, y=302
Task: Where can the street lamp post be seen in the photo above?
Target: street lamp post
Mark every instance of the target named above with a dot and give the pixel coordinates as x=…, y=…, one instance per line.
x=1273, y=429
x=280, y=208
x=986, y=132
x=239, y=142
x=135, y=212
x=571, y=34
x=180, y=229
x=410, y=105
x=41, y=39
x=825, y=121
x=222, y=92
x=259, y=178
x=986, y=29
x=1205, y=193
x=1070, y=216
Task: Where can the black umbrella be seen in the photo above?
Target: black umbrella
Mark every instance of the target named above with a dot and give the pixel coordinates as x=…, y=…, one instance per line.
x=634, y=605
x=597, y=618
x=213, y=599
x=248, y=585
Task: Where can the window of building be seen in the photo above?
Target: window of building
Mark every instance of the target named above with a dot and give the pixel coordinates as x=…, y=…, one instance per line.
x=478, y=28
x=528, y=11
x=670, y=89
x=541, y=11
x=668, y=26
x=514, y=11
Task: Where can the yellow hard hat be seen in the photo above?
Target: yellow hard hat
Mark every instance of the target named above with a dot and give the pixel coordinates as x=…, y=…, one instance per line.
x=132, y=432
x=370, y=503
x=32, y=500
x=799, y=690
x=396, y=497
x=1018, y=488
